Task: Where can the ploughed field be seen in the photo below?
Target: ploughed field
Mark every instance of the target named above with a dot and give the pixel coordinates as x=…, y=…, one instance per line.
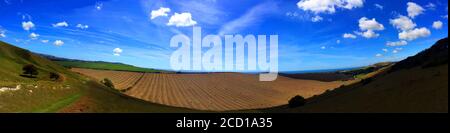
x=121, y=79
x=213, y=91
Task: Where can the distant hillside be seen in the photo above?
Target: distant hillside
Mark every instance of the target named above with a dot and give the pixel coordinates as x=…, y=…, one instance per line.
x=366, y=69
x=416, y=84
x=71, y=93
x=323, y=76
x=105, y=66
x=343, y=75
x=100, y=65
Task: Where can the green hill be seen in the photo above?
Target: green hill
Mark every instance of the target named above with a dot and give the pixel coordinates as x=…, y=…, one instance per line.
x=416, y=84
x=72, y=93
x=105, y=66
x=100, y=65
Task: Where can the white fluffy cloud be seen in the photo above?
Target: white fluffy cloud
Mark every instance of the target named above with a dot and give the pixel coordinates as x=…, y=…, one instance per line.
x=407, y=27
x=318, y=6
x=328, y=6
x=437, y=24
x=27, y=25
x=61, y=24
x=414, y=9
x=368, y=27
x=350, y=4
x=414, y=34
x=368, y=34
x=369, y=24
x=316, y=19
x=58, y=42
x=81, y=26
x=398, y=43
x=181, y=20
x=162, y=11
x=403, y=23
x=44, y=41
x=348, y=35
x=34, y=36
x=117, y=51
x=385, y=50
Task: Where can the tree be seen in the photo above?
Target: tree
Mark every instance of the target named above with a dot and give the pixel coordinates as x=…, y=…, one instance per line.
x=297, y=101
x=30, y=70
x=54, y=76
x=108, y=83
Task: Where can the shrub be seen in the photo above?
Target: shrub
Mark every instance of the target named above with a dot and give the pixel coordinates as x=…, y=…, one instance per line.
x=108, y=83
x=30, y=70
x=54, y=76
x=297, y=101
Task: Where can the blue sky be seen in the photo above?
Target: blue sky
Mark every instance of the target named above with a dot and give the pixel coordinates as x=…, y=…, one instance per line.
x=313, y=34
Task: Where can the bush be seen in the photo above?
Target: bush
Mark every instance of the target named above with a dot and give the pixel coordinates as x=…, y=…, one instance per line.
x=54, y=76
x=30, y=70
x=297, y=101
x=108, y=83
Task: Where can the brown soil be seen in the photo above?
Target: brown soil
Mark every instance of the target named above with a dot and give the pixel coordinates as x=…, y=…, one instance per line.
x=214, y=91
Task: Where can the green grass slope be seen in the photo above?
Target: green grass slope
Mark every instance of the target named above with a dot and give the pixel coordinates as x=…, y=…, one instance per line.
x=75, y=93
x=105, y=66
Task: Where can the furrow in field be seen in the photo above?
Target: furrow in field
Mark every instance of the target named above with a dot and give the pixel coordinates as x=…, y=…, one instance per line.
x=206, y=93
x=178, y=90
x=237, y=101
x=215, y=91
x=196, y=98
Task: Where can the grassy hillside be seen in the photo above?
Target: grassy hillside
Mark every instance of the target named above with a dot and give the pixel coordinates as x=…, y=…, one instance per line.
x=104, y=66
x=416, y=84
x=73, y=93
x=100, y=65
